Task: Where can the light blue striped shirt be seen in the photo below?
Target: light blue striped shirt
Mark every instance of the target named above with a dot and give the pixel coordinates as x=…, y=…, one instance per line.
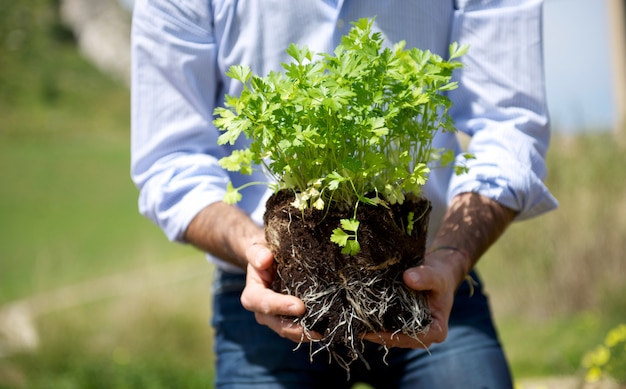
x=181, y=50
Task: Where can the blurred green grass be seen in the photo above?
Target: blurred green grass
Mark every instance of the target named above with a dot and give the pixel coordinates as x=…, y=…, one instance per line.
x=68, y=205
x=68, y=215
x=557, y=281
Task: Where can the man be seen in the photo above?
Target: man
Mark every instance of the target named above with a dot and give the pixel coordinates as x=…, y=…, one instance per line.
x=181, y=51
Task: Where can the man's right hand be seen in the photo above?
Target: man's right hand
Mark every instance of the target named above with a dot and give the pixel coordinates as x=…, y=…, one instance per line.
x=270, y=308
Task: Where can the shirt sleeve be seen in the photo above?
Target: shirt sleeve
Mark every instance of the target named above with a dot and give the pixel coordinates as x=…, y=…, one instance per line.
x=501, y=103
x=174, y=150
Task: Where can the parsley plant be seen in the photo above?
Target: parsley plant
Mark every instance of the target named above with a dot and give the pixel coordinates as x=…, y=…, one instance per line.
x=343, y=129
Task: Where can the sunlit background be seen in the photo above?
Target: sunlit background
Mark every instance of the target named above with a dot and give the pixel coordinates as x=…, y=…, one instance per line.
x=584, y=57
x=93, y=296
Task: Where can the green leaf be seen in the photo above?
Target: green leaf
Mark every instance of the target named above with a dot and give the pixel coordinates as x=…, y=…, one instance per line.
x=352, y=248
x=339, y=237
x=468, y=156
x=343, y=239
x=449, y=86
x=234, y=127
x=331, y=103
x=410, y=223
x=300, y=54
x=447, y=158
x=457, y=51
x=284, y=144
x=240, y=73
x=460, y=169
x=335, y=180
x=350, y=224
x=238, y=160
x=232, y=195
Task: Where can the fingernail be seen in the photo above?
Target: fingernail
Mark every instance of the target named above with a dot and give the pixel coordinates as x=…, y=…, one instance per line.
x=294, y=310
x=257, y=261
x=258, y=258
x=413, y=276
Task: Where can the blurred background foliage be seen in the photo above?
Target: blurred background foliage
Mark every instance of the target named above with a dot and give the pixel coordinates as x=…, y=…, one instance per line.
x=93, y=295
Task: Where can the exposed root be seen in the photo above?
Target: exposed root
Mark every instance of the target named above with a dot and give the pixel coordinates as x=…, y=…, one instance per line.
x=349, y=296
x=375, y=302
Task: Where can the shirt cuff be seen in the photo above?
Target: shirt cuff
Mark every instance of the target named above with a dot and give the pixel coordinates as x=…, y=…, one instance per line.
x=516, y=187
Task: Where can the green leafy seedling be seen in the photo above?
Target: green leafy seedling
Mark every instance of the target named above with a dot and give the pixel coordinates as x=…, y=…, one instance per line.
x=342, y=129
x=346, y=236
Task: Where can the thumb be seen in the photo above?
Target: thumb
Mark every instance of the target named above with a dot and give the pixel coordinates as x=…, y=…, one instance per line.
x=259, y=256
x=420, y=278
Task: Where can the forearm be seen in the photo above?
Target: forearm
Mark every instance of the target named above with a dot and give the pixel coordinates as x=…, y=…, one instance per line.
x=225, y=232
x=471, y=224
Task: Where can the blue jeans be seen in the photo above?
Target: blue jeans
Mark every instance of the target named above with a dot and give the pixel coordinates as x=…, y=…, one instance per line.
x=250, y=355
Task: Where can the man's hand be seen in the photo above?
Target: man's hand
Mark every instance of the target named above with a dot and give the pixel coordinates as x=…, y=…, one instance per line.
x=228, y=233
x=438, y=279
x=269, y=307
x=471, y=224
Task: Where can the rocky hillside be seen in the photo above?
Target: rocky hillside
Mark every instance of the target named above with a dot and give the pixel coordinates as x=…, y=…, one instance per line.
x=102, y=30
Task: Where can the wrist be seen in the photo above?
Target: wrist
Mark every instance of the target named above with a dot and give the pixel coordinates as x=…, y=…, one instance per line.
x=457, y=258
x=458, y=250
x=225, y=232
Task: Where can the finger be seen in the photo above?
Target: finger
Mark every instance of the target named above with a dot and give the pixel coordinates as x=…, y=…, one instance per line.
x=259, y=256
x=258, y=298
x=440, y=297
x=421, y=278
x=436, y=333
x=390, y=340
x=286, y=328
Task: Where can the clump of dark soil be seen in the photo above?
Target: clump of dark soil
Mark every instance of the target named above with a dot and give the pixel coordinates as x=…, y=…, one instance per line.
x=348, y=296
